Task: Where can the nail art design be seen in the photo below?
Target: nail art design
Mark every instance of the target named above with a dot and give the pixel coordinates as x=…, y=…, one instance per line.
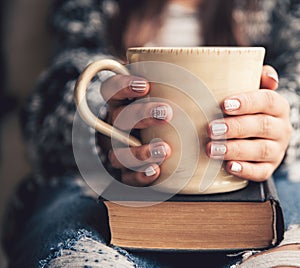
x=138, y=85
x=158, y=151
x=160, y=112
x=273, y=76
x=236, y=167
x=232, y=104
x=218, y=149
x=150, y=171
x=219, y=129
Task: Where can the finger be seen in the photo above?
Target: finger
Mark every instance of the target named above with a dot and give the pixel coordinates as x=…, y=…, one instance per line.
x=143, y=155
x=260, y=101
x=250, y=171
x=145, y=177
x=269, y=78
x=122, y=87
x=246, y=126
x=141, y=115
x=259, y=150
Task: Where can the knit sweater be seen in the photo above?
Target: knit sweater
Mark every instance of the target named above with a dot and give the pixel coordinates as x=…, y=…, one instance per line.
x=79, y=30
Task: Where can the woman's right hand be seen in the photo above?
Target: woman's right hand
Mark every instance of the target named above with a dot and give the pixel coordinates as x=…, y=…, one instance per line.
x=139, y=165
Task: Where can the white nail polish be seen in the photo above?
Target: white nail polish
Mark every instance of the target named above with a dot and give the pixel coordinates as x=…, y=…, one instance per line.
x=150, y=171
x=231, y=104
x=273, y=76
x=138, y=85
x=217, y=149
x=236, y=167
x=161, y=112
x=218, y=129
x=158, y=151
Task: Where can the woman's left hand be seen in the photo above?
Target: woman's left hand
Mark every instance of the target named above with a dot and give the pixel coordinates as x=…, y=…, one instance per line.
x=257, y=131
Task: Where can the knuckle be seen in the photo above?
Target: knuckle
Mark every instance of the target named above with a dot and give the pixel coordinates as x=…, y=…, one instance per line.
x=247, y=102
x=237, y=127
x=235, y=150
x=265, y=151
x=259, y=173
x=265, y=125
x=141, y=153
x=270, y=99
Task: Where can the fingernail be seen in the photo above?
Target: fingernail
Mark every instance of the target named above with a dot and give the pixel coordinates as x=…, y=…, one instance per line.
x=218, y=129
x=138, y=85
x=161, y=112
x=217, y=149
x=231, y=104
x=158, y=151
x=236, y=167
x=150, y=171
x=273, y=76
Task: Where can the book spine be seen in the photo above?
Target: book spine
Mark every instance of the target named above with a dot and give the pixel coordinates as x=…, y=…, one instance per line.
x=271, y=194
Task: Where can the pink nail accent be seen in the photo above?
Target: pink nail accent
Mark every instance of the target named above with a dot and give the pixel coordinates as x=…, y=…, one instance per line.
x=158, y=151
x=219, y=129
x=138, y=85
x=232, y=104
x=217, y=149
x=161, y=112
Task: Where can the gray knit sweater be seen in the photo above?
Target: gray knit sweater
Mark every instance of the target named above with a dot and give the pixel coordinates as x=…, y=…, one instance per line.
x=79, y=28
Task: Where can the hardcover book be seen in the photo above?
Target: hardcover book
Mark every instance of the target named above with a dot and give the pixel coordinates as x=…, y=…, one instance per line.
x=250, y=218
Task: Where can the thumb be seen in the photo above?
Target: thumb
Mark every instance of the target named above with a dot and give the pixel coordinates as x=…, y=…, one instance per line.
x=269, y=78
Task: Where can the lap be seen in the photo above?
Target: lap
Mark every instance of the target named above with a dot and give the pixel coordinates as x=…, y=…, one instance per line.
x=288, y=192
x=65, y=223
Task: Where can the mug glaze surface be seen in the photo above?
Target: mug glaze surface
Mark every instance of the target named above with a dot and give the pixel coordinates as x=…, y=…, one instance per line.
x=225, y=71
x=175, y=74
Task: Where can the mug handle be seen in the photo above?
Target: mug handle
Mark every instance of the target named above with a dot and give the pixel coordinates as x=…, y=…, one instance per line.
x=86, y=114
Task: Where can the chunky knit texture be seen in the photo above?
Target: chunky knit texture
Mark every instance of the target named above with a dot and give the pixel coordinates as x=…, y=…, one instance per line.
x=79, y=27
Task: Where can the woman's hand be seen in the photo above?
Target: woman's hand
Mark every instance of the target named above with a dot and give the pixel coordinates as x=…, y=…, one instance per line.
x=139, y=165
x=257, y=131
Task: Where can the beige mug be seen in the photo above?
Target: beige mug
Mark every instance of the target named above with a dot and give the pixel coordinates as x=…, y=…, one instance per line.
x=193, y=81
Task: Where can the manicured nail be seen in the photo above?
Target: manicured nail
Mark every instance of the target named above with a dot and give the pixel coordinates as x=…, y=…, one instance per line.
x=236, y=167
x=217, y=149
x=232, y=104
x=273, y=76
x=161, y=112
x=138, y=85
x=218, y=129
x=158, y=151
x=150, y=171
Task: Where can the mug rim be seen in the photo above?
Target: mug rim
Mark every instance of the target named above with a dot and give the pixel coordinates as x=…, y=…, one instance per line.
x=197, y=50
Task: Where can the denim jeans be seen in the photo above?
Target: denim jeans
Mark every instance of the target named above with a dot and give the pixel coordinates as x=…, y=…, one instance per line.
x=289, y=195
x=61, y=224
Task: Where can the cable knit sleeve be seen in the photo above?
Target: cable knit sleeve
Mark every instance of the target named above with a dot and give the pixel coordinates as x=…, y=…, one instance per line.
x=48, y=116
x=284, y=55
x=275, y=26
x=80, y=22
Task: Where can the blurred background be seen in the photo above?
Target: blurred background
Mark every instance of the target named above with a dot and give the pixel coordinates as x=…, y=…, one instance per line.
x=25, y=52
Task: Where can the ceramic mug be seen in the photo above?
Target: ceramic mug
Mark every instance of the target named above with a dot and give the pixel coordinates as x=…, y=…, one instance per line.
x=193, y=81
